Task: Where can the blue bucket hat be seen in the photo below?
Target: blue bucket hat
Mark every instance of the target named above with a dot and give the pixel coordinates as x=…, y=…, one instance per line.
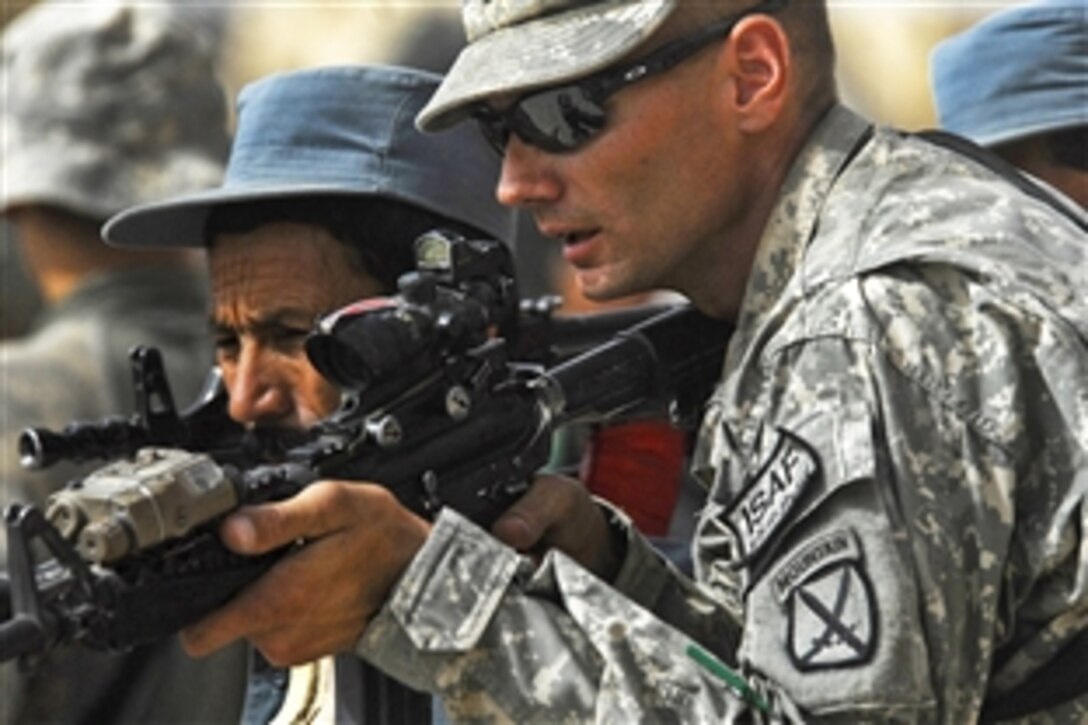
x=338, y=130
x=1017, y=73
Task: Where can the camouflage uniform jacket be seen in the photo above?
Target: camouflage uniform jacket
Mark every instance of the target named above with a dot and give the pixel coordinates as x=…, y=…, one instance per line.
x=74, y=366
x=897, y=458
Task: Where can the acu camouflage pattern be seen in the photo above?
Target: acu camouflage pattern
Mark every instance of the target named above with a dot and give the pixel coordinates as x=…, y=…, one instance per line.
x=517, y=45
x=482, y=17
x=503, y=642
x=917, y=330
x=108, y=105
x=924, y=329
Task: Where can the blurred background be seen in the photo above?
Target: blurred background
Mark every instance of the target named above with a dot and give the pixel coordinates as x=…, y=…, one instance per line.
x=883, y=63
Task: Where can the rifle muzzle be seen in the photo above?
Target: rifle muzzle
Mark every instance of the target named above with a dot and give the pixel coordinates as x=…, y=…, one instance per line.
x=40, y=448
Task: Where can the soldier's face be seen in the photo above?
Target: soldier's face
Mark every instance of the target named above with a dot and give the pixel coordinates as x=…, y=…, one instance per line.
x=268, y=287
x=660, y=198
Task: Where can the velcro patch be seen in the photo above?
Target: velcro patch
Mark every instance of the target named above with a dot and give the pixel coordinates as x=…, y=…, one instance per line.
x=833, y=620
x=772, y=492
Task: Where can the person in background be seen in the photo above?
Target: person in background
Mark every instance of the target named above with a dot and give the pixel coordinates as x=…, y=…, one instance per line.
x=896, y=454
x=19, y=299
x=1017, y=83
x=319, y=209
x=105, y=106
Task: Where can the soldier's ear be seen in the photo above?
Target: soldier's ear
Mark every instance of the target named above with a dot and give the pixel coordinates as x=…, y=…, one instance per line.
x=759, y=62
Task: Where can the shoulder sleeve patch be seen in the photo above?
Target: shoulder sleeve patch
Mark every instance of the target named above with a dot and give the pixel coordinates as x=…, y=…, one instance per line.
x=823, y=551
x=770, y=494
x=832, y=621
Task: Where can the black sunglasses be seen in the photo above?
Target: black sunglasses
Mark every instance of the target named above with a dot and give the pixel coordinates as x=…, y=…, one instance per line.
x=563, y=118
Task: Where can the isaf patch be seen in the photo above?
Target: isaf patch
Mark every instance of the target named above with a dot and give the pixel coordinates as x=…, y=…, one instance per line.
x=832, y=612
x=771, y=493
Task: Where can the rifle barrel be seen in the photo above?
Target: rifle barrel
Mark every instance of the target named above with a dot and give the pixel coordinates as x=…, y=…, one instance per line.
x=679, y=351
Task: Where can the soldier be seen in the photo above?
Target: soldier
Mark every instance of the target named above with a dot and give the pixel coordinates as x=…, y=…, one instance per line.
x=896, y=454
x=105, y=106
x=1031, y=105
x=322, y=202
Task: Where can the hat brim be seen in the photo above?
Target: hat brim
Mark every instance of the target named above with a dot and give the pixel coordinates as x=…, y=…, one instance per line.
x=1003, y=134
x=180, y=222
x=540, y=53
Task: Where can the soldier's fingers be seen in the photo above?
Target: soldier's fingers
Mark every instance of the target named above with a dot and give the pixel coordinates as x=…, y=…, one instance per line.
x=547, y=502
x=215, y=631
x=263, y=605
x=317, y=510
x=290, y=645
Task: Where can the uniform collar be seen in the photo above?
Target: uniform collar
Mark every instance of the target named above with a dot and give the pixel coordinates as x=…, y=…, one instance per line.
x=792, y=223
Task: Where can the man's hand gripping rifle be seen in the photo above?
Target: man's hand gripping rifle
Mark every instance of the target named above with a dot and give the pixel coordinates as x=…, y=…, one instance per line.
x=450, y=395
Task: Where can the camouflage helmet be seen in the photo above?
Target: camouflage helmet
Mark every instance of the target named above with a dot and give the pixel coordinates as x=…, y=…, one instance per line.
x=107, y=105
x=517, y=45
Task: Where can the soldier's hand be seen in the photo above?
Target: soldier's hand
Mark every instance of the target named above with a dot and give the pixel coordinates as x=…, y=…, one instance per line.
x=318, y=599
x=558, y=513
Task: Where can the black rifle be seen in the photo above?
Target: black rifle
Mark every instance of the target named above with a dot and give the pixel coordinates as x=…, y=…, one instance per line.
x=451, y=394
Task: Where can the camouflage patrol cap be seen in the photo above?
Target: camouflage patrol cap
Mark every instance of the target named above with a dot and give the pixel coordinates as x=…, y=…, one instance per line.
x=107, y=105
x=518, y=45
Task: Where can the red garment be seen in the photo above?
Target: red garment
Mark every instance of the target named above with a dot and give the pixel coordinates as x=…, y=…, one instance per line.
x=639, y=467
